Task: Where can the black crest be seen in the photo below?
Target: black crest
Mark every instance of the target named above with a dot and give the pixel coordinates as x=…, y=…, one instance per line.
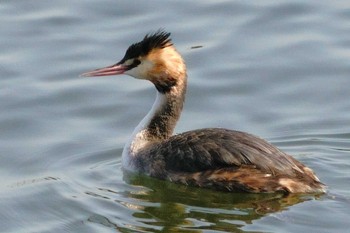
x=159, y=39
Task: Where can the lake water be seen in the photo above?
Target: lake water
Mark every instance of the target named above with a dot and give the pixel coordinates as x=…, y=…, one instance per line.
x=277, y=69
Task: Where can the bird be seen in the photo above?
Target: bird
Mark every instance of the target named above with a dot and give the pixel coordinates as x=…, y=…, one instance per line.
x=212, y=158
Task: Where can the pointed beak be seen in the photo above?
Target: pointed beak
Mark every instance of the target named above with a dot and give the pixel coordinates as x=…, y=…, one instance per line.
x=109, y=70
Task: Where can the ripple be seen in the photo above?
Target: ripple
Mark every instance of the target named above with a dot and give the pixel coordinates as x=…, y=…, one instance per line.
x=278, y=70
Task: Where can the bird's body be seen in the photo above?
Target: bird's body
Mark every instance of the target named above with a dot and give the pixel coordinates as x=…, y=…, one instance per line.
x=214, y=158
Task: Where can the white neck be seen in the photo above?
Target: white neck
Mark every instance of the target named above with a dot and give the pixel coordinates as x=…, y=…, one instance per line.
x=138, y=139
x=157, y=125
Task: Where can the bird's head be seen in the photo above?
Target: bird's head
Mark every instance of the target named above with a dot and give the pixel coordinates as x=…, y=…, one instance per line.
x=154, y=59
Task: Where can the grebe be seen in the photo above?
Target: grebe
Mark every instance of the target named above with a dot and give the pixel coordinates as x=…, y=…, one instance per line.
x=215, y=158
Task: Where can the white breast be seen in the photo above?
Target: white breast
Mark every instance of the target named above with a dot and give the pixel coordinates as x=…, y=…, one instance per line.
x=138, y=140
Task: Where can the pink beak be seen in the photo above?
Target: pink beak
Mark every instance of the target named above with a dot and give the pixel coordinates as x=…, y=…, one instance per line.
x=109, y=70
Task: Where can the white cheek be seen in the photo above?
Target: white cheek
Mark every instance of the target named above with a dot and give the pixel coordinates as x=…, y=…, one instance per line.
x=134, y=72
x=141, y=70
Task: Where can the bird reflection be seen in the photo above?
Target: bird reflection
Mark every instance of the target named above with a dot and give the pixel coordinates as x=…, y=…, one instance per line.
x=176, y=207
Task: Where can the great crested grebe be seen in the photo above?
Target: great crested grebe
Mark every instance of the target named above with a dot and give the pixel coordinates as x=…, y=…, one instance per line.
x=215, y=158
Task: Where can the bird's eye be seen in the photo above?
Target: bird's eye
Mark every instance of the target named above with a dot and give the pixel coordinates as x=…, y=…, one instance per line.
x=134, y=63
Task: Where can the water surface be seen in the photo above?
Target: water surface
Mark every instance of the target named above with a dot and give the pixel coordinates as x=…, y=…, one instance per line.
x=277, y=69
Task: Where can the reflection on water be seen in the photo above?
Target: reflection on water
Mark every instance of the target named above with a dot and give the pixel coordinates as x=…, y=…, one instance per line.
x=277, y=69
x=168, y=207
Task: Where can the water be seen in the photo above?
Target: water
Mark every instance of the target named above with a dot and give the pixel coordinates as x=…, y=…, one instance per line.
x=278, y=69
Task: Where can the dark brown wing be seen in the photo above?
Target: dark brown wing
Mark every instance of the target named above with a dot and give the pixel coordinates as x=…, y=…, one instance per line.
x=213, y=148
